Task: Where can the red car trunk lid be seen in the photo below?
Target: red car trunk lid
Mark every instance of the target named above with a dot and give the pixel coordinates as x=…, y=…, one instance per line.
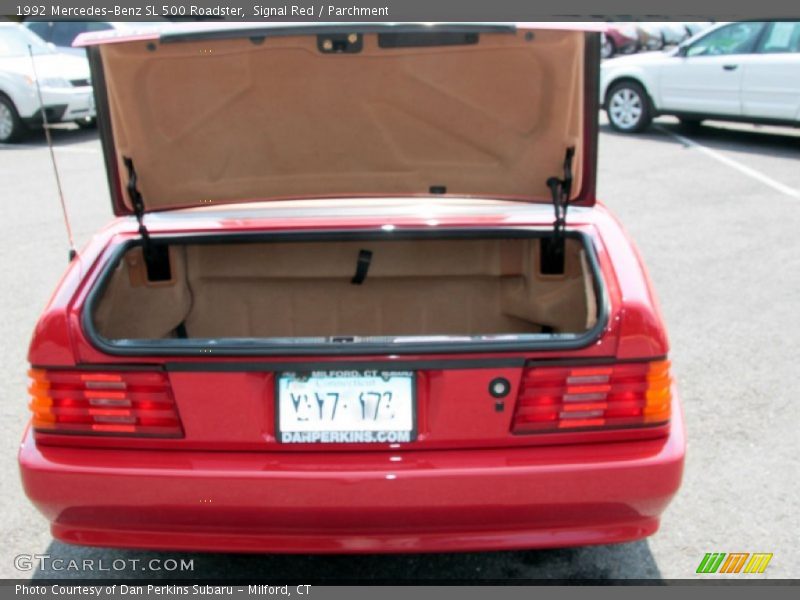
x=221, y=115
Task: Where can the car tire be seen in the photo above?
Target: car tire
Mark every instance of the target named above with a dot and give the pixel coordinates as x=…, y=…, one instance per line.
x=608, y=48
x=628, y=107
x=12, y=129
x=86, y=123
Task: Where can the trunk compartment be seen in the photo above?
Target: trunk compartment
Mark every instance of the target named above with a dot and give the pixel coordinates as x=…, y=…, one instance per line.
x=477, y=290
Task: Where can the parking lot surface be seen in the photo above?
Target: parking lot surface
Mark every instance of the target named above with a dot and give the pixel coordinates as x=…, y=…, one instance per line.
x=716, y=215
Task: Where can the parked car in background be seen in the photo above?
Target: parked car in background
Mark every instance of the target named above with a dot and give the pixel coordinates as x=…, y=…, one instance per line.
x=651, y=36
x=695, y=27
x=673, y=33
x=747, y=71
x=62, y=33
x=619, y=38
x=64, y=81
x=630, y=37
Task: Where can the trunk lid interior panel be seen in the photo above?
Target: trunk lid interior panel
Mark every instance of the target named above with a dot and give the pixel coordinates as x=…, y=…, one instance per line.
x=226, y=119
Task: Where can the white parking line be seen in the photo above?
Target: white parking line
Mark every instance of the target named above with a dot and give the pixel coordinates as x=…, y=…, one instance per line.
x=734, y=164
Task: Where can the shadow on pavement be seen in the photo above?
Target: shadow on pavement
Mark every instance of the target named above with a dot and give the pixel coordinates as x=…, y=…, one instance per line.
x=747, y=139
x=61, y=134
x=620, y=561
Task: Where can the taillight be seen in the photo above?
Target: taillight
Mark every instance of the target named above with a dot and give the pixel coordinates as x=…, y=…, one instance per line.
x=602, y=397
x=103, y=403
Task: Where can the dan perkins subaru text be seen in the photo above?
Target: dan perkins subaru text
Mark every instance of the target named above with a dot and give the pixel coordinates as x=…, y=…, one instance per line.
x=157, y=590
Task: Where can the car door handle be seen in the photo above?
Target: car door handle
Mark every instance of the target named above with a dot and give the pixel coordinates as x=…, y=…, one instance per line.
x=730, y=67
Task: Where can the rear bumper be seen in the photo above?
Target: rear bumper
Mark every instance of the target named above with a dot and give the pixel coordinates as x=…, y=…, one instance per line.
x=68, y=104
x=411, y=501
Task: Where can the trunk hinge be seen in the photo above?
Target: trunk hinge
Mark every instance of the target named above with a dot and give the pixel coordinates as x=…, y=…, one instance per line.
x=552, y=255
x=138, y=205
x=156, y=258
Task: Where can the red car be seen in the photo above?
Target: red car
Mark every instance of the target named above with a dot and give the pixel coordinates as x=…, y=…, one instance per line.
x=619, y=38
x=336, y=313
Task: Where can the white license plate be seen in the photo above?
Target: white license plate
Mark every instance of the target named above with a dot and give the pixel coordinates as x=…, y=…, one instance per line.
x=370, y=406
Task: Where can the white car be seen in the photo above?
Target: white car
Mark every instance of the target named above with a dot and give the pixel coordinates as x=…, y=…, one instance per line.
x=64, y=80
x=747, y=71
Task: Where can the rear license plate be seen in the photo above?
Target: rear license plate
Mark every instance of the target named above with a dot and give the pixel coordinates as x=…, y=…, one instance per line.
x=342, y=407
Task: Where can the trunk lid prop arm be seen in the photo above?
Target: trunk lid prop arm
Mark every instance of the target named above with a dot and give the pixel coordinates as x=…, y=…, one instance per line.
x=156, y=256
x=138, y=206
x=552, y=249
x=560, y=189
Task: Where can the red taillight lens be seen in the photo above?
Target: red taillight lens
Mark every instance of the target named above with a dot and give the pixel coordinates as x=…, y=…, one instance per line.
x=107, y=403
x=604, y=397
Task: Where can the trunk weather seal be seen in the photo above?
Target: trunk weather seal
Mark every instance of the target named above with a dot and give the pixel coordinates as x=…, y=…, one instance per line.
x=102, y=108
x=262, y=347
x=591, y=121
x=258, y=33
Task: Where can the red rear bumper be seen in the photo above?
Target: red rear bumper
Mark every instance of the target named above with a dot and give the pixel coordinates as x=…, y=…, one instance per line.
x=410, y=501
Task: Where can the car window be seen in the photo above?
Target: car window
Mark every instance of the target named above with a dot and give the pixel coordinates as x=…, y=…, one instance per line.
x=66, y=31
x=783, y=36
x=98, y=26
x=15, y=41
x=41, y=28
x=736, y=38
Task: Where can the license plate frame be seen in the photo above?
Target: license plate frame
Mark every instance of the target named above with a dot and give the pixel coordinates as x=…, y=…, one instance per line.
x=347, y=436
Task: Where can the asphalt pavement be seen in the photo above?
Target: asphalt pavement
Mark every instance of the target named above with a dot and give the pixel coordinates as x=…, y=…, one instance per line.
x=716, y=215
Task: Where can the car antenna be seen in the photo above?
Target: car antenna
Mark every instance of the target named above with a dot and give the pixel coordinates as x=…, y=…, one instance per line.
x=72, y=252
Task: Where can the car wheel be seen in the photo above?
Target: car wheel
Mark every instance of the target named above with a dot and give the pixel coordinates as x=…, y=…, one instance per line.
x=86, y=123
x=628, y=107
x=608, y=48
x=11, y=126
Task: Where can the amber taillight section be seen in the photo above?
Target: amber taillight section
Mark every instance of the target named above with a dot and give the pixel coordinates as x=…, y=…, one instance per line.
x=137, y=403
x=555, y=399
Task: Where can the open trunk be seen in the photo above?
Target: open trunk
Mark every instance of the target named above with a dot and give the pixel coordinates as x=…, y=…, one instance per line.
x=346, y=292
x=195, y=116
